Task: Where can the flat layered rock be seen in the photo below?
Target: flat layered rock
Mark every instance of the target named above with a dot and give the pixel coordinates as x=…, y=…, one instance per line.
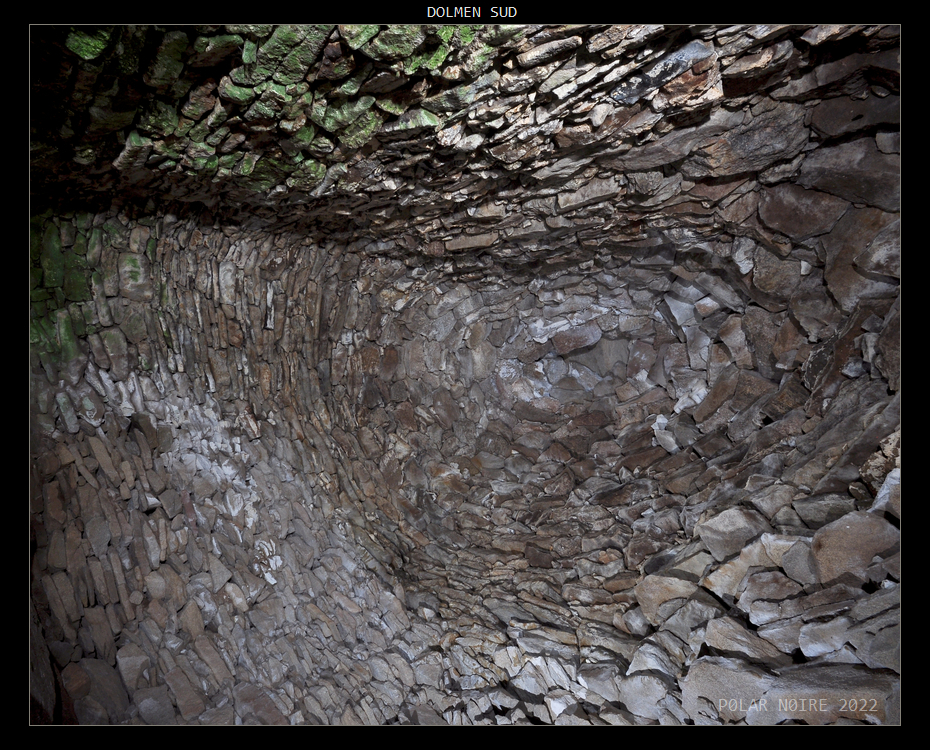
x=499, y=374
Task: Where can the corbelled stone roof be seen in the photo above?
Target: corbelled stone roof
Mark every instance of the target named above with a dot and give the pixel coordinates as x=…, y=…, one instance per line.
x=466, y=374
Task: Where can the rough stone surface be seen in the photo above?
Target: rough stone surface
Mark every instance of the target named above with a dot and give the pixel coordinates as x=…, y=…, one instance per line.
x=473, y=374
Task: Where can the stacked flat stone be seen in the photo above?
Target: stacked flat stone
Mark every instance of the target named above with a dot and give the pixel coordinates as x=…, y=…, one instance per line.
x=513, y=375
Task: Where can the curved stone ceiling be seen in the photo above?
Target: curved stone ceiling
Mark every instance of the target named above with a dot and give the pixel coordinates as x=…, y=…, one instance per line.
x=465, y=374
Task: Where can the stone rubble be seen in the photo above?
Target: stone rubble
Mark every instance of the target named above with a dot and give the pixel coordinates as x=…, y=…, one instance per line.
x=466, y=375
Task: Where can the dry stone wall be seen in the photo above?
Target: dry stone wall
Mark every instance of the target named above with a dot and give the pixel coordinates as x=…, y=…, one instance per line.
x=565, y=392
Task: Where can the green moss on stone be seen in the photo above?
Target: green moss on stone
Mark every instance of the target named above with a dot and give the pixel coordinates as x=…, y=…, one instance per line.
x=199, y=132
x=467, y=34
x=285, y=37
x=294, y=65
x=80, y=243
x=68, y=343
x=168, y=65
x=228, y=161
x=342, y=115
x=260, y=111
x=88, y=43
x=392, y=106
x=36, y=229
x=249, y=52
x=268, y=172
x=131, y=46
x=427, y=60
x=74, y=283
x=52, y=259
x=396, y=42
x=170, y=147
x=78, y=319
x=321, y=145
x=39, y=337
x=216, y=137
x=479, y=60
x=499, y=34
x=307, y=176
x=184, y=127
x=247, y=165
x=236, y=94
x=304, y=137
x=362, y=130
x=317, y=113
x=251, y=75
x=219, y=46
x=357, y=35
x=275, y=93
x=352, y=86
x=255, y=30
x=343, y=67
x=200, y=150
x=417, y=119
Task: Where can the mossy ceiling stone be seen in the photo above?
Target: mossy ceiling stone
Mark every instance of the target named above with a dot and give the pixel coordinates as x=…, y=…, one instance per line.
x=89, y=43
x=414, y=120
x=268, y=85
x=166, y=68
x=336, y=64
x=354, y=84
x=461, y=97
x=158, y=118
x=269, y=171
x=392, y=105
x=135, y=152
x=250, y=75
x=307, y=176
x=199, y=150
x=294, y=66
x=341, y=115
x=199, y=132
x=428, y=60
x=249, y=52
x=211, y=50
x=300, y=140
x=260, y=110
x=479, y=58
x=286, y=55
x=200, y=101
x=236, y=94
x=357, y=35
x=395, y=42
x=362, y=130
x=251, y=30
x=282, y=41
